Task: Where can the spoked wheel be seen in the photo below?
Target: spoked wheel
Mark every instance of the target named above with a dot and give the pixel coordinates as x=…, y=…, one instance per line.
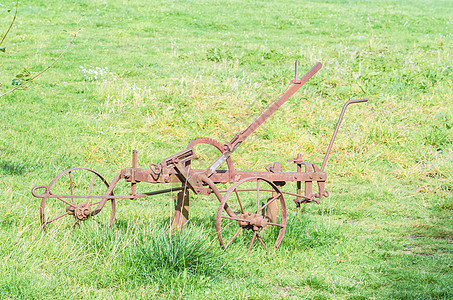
x=75, y=195
x=252, y=210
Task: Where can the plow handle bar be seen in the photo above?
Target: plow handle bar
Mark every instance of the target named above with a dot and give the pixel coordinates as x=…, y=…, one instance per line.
x=332, y=140
x=240, y=137
x=297, y=84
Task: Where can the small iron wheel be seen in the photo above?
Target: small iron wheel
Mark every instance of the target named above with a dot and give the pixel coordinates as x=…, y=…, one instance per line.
x=252, y=210
x=80, y=183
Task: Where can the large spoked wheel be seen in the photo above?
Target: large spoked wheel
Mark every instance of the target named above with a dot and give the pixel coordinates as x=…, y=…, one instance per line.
x=75, y=195
x=252, y=210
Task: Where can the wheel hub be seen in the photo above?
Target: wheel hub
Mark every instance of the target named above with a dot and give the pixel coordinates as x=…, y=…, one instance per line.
x=254, y=221
x=81, y=212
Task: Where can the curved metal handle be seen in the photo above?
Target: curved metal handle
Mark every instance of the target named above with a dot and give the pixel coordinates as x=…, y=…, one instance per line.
x=33, y=191
x=332, y=140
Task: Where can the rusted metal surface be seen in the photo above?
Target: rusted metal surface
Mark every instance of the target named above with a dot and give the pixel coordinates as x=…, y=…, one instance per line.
x=254, y=204
x=181, y=214
x=251, y=213
x=334, y=135
x=81, y=207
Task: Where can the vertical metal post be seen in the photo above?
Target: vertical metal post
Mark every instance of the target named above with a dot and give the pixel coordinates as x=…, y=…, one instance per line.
x=299, y=184
x=181, y=214
x=272, y=210
x=134, y=165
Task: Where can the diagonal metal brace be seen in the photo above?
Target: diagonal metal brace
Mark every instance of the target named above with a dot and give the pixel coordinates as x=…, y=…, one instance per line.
x=240, y=137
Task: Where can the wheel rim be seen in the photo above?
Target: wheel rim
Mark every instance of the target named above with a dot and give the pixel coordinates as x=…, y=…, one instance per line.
x=256, y=214
x=74, y=182
x=216, y=144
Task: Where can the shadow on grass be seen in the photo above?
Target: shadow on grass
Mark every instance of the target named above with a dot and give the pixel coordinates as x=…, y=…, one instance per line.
x=416, y=264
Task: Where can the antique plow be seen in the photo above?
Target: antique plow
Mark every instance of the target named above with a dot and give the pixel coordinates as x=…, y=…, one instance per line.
x=252, y=209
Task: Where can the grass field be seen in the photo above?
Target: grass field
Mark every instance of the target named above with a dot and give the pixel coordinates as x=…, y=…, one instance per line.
x=151, y=76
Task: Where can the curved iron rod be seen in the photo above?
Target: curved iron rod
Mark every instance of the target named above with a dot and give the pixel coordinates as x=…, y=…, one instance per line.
x=332, y=140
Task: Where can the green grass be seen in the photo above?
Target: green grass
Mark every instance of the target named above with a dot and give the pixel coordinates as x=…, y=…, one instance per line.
x=173, y=71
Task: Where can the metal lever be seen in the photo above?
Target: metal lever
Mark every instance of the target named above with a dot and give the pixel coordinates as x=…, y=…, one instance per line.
x=297, y=69
x=240, y=137
x=332, y=140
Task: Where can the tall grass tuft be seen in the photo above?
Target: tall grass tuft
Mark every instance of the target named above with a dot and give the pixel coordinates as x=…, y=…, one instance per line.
x=190, y=251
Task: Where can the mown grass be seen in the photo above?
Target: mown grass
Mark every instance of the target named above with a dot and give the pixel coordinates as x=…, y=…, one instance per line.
x=178, y=70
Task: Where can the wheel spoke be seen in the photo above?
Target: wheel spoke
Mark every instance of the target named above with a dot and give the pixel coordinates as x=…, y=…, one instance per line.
x=70, y=186
x=56, y=218
x=258, y=208
x=75, y=224
x=239, y=200
x=257, y=196
x=235, y=219
x=68, y=203
x=262, y=243
x=92, y=183
x=234, y=236
x=78, y=193
x=269, y=202
x=91, y=187
x=251, y=243
x=275, y=224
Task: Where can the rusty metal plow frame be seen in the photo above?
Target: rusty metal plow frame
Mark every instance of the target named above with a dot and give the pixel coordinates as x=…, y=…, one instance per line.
x=177, y=169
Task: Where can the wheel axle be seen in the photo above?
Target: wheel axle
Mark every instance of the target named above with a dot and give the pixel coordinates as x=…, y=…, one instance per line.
x=252, y=221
